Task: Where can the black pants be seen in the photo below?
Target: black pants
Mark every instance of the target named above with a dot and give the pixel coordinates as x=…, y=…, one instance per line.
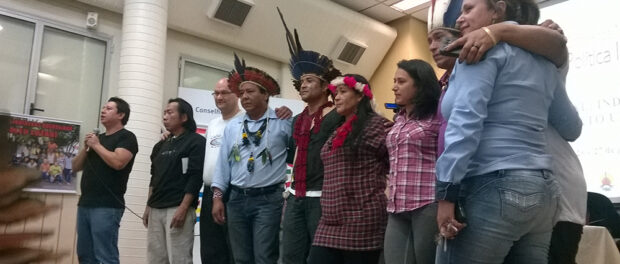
x=214, y=243
x=301, y=217
x=324, y=255
x=564, y=243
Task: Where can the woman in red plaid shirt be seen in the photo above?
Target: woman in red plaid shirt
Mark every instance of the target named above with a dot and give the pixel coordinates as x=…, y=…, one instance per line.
x=355, y=161
x=412, y=145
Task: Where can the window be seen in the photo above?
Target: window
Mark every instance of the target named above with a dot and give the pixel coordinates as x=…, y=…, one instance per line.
x=14, y=62
x=50, y=69
x=200, y=75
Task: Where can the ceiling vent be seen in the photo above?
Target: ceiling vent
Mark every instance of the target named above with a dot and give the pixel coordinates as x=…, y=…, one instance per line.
x=230, y=11
x=349, y=51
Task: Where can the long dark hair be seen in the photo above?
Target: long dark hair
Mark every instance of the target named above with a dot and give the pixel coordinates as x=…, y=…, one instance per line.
x=524, y=12
x=427, y=87
x=364, y=112
x=186, y=109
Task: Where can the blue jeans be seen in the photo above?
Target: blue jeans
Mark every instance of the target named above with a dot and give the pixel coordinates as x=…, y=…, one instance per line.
x=97, y=234
x=67, y=173
x=301, y=217
x=509, y=214
x=254, y=226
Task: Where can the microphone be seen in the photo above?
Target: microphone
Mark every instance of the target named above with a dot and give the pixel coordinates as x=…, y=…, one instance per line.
x=96, y=132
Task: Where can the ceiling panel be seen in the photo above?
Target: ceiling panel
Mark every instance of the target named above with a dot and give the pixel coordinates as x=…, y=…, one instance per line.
x=421, y=15
x=423, y=7
x=391, y=2
x=357, y=5
x=380, y=9
x=383, y=13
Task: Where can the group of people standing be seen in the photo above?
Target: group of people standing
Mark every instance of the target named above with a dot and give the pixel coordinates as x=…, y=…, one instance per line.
x=53, y=163
x=476, y=165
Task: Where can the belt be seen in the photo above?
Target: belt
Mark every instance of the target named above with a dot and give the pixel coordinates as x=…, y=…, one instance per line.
x=308, y=193
x=256, y=191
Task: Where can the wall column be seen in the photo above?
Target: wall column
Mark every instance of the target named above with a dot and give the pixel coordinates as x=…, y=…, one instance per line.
x=141, y=83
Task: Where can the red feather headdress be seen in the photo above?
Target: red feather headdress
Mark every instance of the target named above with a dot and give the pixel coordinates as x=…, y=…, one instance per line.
x=242, y=74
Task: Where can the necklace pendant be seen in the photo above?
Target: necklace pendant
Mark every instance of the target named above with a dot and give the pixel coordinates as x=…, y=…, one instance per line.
x=234, y=154
x=269, y=157
x=237, y=155
x=251, y=163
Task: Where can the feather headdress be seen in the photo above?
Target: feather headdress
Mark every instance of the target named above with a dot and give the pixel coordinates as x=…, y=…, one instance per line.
x=443, y=14
x=307, y=61
x=242, y=74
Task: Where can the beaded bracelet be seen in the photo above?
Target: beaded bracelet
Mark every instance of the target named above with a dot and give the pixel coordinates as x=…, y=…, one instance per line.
x=488, y=31
x=217, y=194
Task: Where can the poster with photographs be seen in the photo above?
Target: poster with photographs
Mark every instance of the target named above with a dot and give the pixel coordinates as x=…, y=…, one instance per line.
x=45, y=144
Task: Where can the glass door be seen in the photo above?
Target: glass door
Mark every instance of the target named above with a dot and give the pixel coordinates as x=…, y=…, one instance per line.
x=51, y=70
x=16, y=38
x=70, y=77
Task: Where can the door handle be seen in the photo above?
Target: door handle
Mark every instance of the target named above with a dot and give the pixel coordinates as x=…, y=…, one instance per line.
x=32, y=109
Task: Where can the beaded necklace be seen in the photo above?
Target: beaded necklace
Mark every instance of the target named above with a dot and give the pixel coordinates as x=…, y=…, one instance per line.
x=252, y=140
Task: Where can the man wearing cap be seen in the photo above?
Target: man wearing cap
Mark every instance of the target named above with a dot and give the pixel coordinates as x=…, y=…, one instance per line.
x=312, y=72
x=252, y=166
x=547, y=40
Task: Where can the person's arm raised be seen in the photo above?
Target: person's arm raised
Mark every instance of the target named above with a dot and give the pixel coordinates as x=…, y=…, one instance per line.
x=546, y=39
x=117, y=159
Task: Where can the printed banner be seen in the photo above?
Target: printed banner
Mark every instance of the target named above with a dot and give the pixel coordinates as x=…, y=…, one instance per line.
x=205, y=110
x=45, y=144
x=593, y=87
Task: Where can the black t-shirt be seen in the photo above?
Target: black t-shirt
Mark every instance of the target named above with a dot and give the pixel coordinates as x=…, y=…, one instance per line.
x=103, y=186
x=314, y=166
x=176, y=170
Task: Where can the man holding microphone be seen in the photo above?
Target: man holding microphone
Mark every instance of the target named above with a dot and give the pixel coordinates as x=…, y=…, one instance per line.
x=107, y=160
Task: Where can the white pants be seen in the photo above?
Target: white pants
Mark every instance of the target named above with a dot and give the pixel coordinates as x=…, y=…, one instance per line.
x=170, y=245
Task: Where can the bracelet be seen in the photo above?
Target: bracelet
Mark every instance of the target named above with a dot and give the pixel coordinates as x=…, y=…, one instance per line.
x=488, y=31
x=217, y=194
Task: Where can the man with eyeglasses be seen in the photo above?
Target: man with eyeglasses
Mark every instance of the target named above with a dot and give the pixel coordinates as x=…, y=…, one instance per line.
x=214, y=245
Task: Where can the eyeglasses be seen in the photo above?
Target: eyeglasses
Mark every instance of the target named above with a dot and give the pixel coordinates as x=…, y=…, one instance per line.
x=220, y=93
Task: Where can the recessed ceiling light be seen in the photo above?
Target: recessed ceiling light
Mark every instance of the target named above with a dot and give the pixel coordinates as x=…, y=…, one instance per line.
x=407, y=4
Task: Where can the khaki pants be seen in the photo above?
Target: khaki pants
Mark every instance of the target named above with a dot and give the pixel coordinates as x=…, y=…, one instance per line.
x=170, y=245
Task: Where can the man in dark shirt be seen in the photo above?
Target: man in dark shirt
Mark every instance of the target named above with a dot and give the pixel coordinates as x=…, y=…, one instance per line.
x=312, y=72
x=107, y=160
x=176, y=179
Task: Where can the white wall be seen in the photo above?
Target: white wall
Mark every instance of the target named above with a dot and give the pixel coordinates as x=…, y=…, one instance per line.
x=179, y=44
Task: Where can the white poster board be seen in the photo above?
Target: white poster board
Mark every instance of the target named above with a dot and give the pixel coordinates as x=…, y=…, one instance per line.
x=205, y=110
x=593, y=86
